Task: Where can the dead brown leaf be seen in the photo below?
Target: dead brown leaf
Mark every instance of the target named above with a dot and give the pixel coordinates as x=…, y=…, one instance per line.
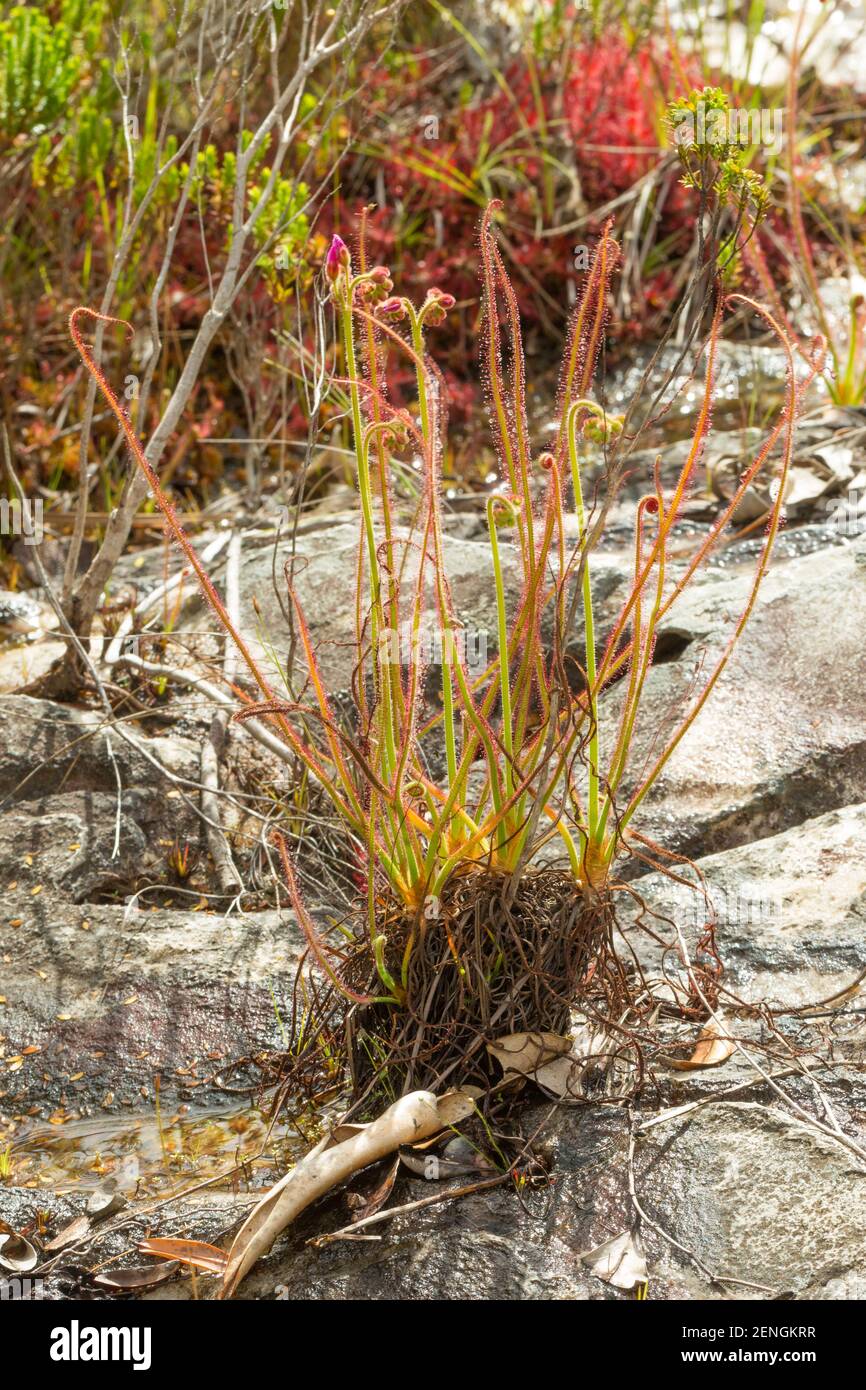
x=142, y=1277
x=714, y=1046
x=370, y=1205
x=76, y=1230
x=190, y=1252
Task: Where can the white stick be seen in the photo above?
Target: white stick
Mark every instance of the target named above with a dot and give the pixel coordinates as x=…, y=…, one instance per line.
x=228, y=878
x=209, y=554
x=416, y=1116
x=257, y=730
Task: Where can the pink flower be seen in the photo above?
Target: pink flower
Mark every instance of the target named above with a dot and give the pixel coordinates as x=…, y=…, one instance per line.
x=337, y=257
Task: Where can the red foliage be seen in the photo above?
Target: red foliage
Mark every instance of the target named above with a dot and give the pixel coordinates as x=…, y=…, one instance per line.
x=613, y=100
x=603, y=114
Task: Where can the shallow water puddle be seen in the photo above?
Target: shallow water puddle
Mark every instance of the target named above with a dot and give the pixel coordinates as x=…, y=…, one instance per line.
x=145, y=1154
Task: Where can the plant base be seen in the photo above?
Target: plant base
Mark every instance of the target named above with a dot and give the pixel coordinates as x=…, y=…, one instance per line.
x=496, y=960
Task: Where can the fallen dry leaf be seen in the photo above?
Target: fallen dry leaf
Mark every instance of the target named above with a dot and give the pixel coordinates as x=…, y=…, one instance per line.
x=342, y=1133
x=76, y=1230
x=459, y=1158
x=105, y=1202
x=524, y=1053
x=189, y=1252
x=619, y=1262
x=368, y=1206
x=590, y=1062
x=455, y=1106
x=713, y=1047
x=142, y=1277
x=17, y=1254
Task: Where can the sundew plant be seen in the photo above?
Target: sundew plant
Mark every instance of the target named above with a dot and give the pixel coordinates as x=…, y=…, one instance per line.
x=465, y=929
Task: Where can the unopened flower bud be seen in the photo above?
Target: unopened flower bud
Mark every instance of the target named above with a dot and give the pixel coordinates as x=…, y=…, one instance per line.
x=337, y=258
x=435, y=306
x=375, y=286
x=442, y=298
x=399, y=427
x=602, y=427
x=391, y=309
